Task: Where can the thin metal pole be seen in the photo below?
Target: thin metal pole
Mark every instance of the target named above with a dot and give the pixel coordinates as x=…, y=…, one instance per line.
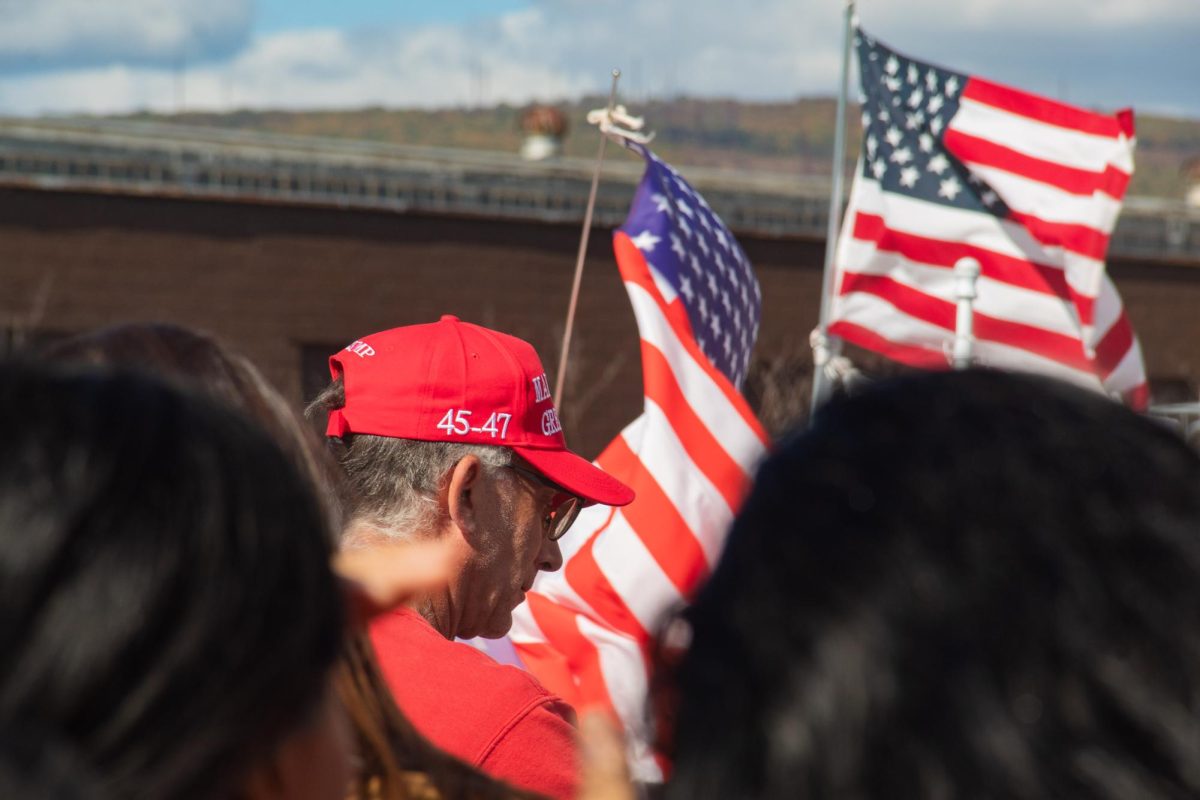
x=821, y=384
x=966, y=273
x=583, y=243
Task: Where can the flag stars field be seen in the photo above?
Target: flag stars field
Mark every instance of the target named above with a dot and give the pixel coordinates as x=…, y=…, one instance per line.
x=646, y=241
x=949, y=188
x=716, y=296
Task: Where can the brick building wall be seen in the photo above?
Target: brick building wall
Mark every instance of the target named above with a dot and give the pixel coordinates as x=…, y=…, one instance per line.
x=286, y=284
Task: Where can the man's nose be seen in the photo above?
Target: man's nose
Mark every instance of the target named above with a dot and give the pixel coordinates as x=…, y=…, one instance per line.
x=550, y=556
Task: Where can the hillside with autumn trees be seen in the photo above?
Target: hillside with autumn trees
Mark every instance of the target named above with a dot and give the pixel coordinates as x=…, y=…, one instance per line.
x=783, y=137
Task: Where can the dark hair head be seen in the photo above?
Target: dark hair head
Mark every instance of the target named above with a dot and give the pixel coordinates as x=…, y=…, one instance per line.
x=172, y=353
x=33, y=764
x=955, y=585
x=169, y=610
x=199, y=362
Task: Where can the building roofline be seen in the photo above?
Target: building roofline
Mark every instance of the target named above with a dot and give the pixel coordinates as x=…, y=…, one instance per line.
x=152, y=158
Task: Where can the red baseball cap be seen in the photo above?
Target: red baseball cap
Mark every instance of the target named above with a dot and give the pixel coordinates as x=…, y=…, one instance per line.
x=451, y=381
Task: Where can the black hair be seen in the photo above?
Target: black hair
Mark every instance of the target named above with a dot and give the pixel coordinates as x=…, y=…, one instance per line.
x=33, y=764
x=169, y=610
x=198, y=361
x=961, y=585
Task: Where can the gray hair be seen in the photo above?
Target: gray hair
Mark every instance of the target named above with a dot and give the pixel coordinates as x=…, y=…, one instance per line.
x=391, y=485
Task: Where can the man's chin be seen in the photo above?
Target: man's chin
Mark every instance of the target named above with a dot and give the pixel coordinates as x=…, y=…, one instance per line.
x=498, y=627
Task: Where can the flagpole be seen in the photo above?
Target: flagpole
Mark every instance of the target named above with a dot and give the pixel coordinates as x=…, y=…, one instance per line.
x=966, y=273
x=583, y=243
x=823, y=348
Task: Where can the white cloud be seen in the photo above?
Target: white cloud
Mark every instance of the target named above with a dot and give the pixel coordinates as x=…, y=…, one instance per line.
x=1083, y=17
x=762, y=48
x=1101, y=52
x=53, y=34
x=427, y=67
x=300, y=69
x=1098, y=53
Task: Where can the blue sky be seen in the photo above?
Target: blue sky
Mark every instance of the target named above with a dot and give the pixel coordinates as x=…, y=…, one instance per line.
x=88, y=56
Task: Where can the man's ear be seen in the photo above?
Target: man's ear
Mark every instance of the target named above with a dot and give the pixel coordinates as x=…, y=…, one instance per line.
x=460, y=504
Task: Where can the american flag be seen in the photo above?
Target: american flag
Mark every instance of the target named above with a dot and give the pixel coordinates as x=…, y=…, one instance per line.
x=585, y=631
x=954, y=166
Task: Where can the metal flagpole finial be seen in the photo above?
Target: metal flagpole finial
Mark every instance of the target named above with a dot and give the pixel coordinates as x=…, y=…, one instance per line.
x=966, y=275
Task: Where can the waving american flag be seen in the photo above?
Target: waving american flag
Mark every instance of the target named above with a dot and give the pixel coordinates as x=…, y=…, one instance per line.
x=953, y=165
x=585, y=631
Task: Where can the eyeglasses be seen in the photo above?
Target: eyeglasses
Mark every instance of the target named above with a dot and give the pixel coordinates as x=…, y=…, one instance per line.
x=564, y=506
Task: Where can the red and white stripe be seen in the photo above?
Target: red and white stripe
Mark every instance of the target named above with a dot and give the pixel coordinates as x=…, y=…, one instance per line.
x=585, y=630
x=1045, y=301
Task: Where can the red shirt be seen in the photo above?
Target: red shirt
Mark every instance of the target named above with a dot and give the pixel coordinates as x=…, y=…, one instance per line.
x=494, y=716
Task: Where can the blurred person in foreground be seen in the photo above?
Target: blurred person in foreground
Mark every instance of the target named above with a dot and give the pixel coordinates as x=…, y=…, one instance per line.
x=34, y=764
x=196, y=361
x=394, y=762
x=958, y=585
x=146, y=568
x=447, y=432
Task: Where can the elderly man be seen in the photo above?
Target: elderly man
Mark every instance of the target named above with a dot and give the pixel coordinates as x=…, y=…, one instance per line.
x=447, y=431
